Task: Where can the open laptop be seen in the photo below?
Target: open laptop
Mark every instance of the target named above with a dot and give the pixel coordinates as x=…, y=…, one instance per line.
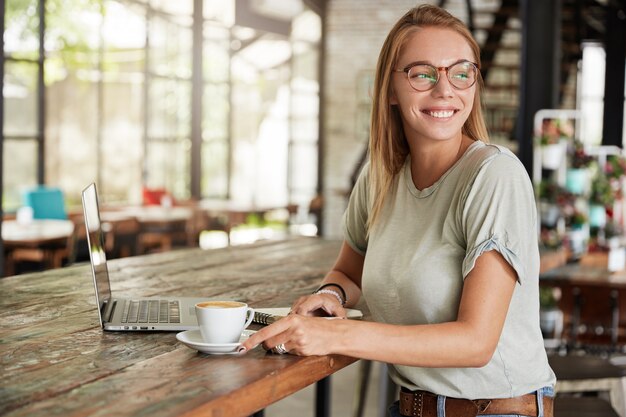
x=126, y=314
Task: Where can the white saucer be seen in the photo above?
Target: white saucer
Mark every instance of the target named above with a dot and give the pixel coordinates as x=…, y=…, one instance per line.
x=193, y=339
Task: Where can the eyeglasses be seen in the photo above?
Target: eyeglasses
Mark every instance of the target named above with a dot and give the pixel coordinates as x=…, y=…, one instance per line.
x=423, y=77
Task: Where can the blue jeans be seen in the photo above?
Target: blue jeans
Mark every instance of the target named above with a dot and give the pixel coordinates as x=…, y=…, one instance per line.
x=394, y=410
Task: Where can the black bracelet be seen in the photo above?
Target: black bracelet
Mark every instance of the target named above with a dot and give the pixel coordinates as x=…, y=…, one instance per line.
x=332, y=284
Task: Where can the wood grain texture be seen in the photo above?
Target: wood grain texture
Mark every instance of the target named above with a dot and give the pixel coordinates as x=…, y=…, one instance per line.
x=55, y=359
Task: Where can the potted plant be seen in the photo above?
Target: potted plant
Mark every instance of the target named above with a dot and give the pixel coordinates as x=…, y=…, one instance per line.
x=550, y=316
x=553, y=139
x=577, y=233
x=553, y=201
x=615, y=167
x=577, y=173
x=601, y=197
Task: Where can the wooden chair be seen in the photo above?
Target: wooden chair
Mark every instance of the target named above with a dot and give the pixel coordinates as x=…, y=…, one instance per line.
x=46, y=202
x=121, y=238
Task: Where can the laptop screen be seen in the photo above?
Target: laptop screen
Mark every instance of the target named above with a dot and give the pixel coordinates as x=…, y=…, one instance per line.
x=95, y=241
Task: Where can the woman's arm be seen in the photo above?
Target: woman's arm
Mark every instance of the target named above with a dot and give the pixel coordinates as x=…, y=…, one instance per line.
x=469, y=341
x=346, y=273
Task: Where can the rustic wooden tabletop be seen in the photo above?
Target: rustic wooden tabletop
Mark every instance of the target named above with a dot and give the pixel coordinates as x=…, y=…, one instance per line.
x=56, y=360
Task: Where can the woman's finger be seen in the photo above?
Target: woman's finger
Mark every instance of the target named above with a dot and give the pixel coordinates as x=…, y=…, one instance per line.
x=264, y=334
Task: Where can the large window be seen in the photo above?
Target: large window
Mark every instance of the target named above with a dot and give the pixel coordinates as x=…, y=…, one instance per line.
x=591, y=79
x=22, y=69
x=119, y=87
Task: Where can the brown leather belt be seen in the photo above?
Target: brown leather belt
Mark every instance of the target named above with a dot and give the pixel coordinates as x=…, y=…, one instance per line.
x=424, y=404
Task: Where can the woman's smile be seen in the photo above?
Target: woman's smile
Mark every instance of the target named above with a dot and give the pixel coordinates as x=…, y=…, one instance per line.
x=440, y=114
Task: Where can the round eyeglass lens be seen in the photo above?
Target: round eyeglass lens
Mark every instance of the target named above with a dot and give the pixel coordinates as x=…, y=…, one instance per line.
x=423, y=77
x=461, y=75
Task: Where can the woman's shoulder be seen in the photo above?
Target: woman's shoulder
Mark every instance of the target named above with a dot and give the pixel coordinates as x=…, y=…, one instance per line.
x=497, y=157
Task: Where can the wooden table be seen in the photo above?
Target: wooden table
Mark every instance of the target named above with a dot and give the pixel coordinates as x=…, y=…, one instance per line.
x=235, y=213
x=36, y=232
x=160, y=226
x=55, y=359
x=576, y=274
x=39, y=240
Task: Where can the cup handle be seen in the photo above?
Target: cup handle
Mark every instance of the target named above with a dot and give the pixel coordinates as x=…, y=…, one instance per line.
x=250, y=314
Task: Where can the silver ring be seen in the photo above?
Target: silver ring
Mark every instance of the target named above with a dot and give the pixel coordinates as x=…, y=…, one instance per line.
x=280, y=349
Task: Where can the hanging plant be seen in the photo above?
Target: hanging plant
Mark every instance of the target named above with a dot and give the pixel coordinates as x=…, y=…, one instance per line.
x=602, y=193
x=579, y=159
x=615, y=166
x=552, y=130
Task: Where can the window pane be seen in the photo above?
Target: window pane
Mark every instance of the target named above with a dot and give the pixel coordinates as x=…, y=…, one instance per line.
x=222, y=11
x=124, y=28
x=307, y=26
x=215, y=169
x=170, y=48
x=168, y=166
x=73, y=25
x=178, y=7
x=21, y=36
x=216, y=60
x=72, y=122
x=20, y=171
x=20, y=95
x=170, y=109
x=216, y=109
x=121, y=148
x=303, y=172
x=304, y=129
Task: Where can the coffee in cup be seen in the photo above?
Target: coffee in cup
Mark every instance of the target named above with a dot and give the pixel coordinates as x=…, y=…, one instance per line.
x=223, y=321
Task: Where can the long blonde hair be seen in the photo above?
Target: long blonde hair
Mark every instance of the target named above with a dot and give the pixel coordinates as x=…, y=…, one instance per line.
x=388, y=145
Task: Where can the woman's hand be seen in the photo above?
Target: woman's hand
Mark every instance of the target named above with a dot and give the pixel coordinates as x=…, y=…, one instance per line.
x=299, y=335
x=317, y=305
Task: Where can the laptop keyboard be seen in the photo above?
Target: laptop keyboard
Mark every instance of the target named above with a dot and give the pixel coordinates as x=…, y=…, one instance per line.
x=151, y=311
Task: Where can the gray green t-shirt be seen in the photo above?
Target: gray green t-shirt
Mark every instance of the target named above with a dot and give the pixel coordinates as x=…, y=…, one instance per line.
x=427, y=241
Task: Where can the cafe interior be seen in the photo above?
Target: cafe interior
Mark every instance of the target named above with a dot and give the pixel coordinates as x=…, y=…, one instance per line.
x=215, y=127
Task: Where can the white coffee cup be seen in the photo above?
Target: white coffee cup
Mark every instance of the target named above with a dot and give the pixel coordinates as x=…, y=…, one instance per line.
x=223, y=321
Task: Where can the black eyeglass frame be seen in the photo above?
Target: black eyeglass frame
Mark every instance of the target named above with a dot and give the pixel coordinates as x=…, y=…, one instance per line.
x=408, y=68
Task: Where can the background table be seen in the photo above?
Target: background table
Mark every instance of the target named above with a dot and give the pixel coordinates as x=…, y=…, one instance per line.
x=55, y=359
x=44, y=240
x=36, y=232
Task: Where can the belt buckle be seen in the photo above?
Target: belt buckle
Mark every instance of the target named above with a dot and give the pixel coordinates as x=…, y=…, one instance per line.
x=482, y=405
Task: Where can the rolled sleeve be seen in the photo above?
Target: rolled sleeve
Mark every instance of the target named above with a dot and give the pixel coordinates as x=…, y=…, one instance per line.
x=500, y=214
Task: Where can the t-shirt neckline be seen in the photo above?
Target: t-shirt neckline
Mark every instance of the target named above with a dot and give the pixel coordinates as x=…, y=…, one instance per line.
x=429, y=190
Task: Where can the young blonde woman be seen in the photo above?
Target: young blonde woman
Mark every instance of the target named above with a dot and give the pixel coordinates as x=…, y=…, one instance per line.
x=440, y=240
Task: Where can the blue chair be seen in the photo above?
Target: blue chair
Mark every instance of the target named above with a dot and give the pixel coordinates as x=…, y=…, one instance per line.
x=46, y=202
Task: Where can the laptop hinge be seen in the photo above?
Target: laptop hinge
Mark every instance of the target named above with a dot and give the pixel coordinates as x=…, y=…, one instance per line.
x=108, y=310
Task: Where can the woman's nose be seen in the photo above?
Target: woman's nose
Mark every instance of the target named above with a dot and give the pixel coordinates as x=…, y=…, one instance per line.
x=443, y=87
